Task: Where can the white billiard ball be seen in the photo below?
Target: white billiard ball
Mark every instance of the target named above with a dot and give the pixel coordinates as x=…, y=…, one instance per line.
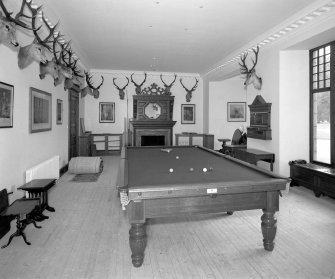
x=191, y=169
x=204, y=169
x=171, y=170
x=177, y=157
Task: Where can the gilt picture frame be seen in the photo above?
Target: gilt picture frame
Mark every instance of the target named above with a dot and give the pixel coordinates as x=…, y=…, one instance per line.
x=59, y=112
x=40, y=106
x=236, y=111
x=106, y=112
x=6, y=105
x=187, y=114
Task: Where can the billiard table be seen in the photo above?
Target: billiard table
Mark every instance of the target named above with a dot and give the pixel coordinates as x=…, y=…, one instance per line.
x=156, y=182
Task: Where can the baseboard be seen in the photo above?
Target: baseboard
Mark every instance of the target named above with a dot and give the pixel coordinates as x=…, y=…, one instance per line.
x=63, y=170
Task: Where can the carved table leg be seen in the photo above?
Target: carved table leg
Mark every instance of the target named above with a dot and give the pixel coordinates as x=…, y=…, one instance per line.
x=269, y=229
x=138, y=242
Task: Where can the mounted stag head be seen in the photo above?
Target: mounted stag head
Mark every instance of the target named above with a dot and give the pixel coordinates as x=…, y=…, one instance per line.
x=90, y=89
x=72, y=64
x=189, y=91
x=138, y=89
x=250, y=75
x=37, y=49
x=8, y=24
x=167, y=90
x=121, y=90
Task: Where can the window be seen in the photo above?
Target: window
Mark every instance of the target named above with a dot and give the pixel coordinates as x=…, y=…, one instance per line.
x=322, y=63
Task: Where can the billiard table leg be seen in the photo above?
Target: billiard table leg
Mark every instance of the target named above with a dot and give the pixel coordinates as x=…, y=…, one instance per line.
x=269, y=229
x=137, y=242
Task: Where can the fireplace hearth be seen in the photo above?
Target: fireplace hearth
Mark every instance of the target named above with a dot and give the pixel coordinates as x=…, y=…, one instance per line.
x=152, y=140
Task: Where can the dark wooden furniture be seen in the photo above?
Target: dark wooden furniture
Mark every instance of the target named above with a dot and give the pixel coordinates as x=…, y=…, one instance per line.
x=17, y=208
x=5, y=220
x=318, y=178
x=107, y=143
x=252, y=156
x=39, y=188
x=260, y=119
x=85, y=144
x=152, y=117
x=238, y=140
x=231, y=185
x=205, y=140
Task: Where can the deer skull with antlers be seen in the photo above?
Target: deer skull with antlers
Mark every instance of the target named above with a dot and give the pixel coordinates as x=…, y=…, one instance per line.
x=8, y=24
x=121, y=90
x=189, y=91
x=167, y=90
x=250, y=75
x=138, y=89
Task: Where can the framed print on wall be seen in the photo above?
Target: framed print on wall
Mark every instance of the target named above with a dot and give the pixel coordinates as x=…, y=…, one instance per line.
x=106, y=112
x=236, y=111
x=187, y=114
x=40, y=110
x=59, y=112
x=6, y=105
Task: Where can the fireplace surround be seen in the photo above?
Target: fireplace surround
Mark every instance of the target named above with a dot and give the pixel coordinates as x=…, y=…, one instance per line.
x=152, y=118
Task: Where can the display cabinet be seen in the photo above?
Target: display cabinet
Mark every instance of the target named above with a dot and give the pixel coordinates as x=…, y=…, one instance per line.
x=260, y=119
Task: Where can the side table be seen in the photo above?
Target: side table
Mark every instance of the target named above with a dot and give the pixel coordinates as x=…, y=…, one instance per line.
x=39, y=188
x=17, y=208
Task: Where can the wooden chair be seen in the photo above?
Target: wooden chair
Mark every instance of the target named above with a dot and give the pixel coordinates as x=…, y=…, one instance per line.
x=4, y=220
x=238, y=141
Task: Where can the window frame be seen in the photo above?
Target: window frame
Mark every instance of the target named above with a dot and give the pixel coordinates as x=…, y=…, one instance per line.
x=331, y=89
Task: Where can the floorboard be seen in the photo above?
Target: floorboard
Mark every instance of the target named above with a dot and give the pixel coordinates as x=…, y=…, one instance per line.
x=87, y=237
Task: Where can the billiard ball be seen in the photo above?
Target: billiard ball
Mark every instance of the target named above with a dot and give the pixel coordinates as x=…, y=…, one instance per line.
x=177, y=157
x=191, y=169
x=204, y=169
x=171, y=170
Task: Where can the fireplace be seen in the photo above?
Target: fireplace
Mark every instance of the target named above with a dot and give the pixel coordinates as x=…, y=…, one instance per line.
x=152, y=140
x=152, y=123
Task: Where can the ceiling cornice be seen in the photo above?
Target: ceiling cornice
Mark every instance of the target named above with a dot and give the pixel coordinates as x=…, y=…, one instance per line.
x=279, y=33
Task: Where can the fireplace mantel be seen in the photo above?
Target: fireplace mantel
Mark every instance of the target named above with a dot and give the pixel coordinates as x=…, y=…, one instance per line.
x=152, y=116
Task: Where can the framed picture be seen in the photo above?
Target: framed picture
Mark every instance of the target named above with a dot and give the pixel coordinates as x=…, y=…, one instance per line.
x=106, y=112
x=40, y=110
x=6, y=105
x=59, y=112
x=236, y=111
x=187, y=114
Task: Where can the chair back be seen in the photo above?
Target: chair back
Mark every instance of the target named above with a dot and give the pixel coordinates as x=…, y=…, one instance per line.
x=4, y=201
x=236, y=137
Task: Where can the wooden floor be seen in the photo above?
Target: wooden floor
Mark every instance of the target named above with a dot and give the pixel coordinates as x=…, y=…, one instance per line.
x=87, y=237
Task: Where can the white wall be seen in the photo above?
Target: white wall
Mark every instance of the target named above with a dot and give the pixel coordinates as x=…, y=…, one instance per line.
x=20, y=149
x=221, y=93
x=108, y=93
x=294, y=107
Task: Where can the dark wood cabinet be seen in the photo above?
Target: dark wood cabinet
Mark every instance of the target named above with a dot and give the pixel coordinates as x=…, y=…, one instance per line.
x=85, y=143
x=260, y=119
x=318, y=178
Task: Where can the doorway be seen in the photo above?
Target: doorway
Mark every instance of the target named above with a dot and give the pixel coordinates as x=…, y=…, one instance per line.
x=73, y=123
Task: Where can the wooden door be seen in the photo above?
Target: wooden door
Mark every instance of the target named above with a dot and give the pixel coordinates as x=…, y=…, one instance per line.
x=73, y=123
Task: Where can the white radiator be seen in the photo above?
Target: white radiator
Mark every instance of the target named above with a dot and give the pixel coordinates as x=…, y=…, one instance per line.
x=46, y=169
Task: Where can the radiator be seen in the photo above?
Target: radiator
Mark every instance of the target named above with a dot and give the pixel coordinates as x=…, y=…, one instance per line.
x=46, y=169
